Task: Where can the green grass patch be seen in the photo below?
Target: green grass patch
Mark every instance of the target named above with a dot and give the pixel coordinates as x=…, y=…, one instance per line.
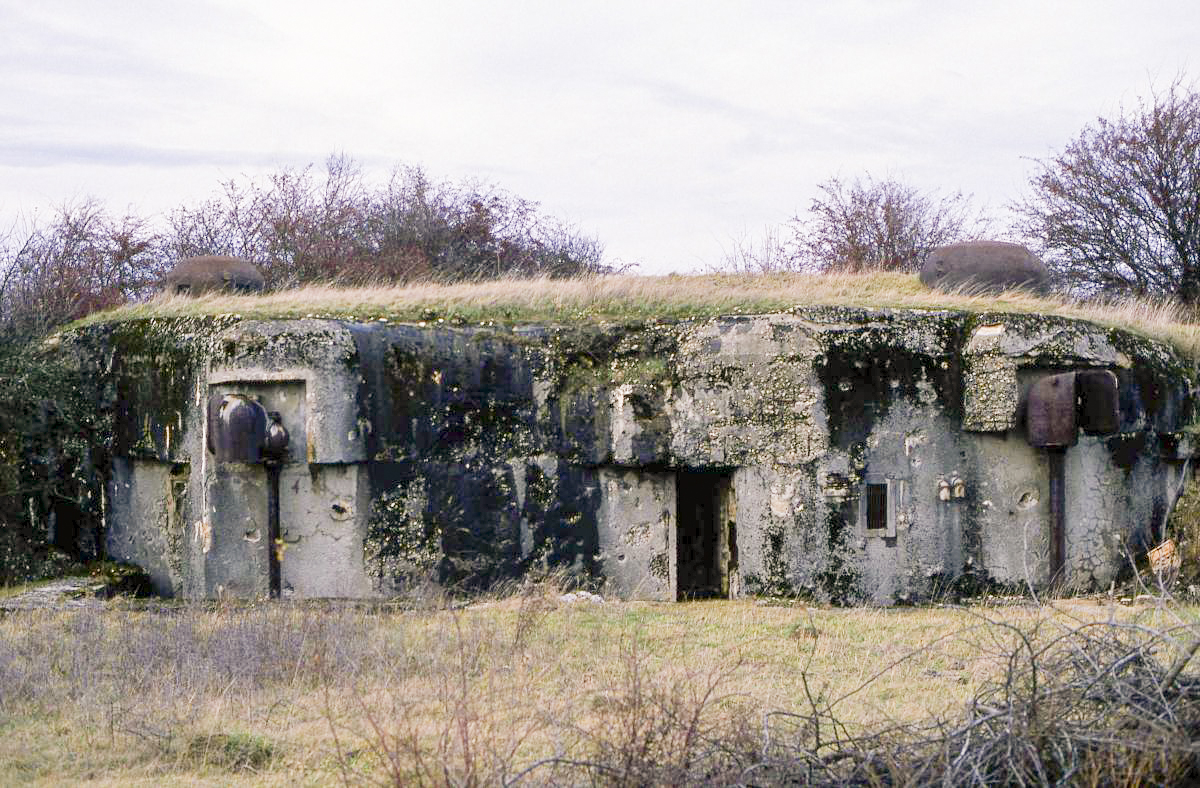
x=235, y=752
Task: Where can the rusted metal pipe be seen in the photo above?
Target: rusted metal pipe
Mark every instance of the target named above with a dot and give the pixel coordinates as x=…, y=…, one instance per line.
x=1058, y=513
x=1051, y=413
x=274, y=451
x=274, y=541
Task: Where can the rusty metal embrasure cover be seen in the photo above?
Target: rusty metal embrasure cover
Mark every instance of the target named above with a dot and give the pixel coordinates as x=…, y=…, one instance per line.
x=237, y=427
x=1099, y=406
x=275, y=446
x=1050, y=417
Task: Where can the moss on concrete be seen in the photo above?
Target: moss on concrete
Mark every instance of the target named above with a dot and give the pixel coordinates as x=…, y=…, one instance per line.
x=456, y=416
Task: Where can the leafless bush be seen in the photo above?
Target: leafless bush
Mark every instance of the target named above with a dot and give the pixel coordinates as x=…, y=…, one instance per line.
x=768, y=254
x=1098, y=704
x=301, y=227
x=81, y=260
x=663, y=729
x=460, y=720
x=861, y=225
x=864, y=225
x=294, y=226
x=1118, y=210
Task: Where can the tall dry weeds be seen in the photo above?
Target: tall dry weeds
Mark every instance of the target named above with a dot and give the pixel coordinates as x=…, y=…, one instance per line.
x=531, y=690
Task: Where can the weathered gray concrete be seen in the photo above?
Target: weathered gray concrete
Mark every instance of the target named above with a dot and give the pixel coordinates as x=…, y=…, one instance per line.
x=845, y=454
x=232, y=538
x=153, y=537
x=638, y=508
x=323, y=519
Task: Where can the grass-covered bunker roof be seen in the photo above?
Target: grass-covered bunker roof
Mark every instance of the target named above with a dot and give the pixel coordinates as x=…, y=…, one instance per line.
x=647, y=298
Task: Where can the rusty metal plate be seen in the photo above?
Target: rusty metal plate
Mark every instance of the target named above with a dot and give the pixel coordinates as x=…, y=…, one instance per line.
x=237, y=427
x=1099, y=406
x=1050, y=419
x=275, y=447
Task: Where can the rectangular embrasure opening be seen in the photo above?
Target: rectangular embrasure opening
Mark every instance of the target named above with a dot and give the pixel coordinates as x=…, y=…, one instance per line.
x=706, y=535
x=881, y=500
x=877, y=507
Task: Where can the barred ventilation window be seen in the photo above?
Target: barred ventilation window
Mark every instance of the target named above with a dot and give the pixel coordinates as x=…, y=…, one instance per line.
x=877, y=507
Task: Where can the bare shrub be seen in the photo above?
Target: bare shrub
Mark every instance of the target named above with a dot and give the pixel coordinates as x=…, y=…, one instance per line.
x=660, y=727
x=869, y=225
x=859, y=225
x=1118, y=210
x=294, y=226
x=300, y=226
x=303, y=227
x=454, y=715
x=768, y=253
x=80, y=261
x=1102, y=703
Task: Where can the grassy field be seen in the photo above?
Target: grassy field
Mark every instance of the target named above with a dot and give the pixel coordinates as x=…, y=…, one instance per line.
x=528, y=689
x=647, y=298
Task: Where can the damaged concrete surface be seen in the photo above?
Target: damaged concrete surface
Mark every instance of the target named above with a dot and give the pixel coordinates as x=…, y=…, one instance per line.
x=848, y=455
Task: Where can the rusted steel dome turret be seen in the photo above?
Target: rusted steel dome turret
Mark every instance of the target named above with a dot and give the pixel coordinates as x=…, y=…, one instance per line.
x=984, y=267
x=197, y=275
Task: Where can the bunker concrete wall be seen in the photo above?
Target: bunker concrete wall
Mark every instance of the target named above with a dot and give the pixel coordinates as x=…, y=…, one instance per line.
x=469, y=454
x=151, y=496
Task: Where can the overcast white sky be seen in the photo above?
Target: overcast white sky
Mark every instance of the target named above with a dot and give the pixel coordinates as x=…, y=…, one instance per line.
x=667, y=129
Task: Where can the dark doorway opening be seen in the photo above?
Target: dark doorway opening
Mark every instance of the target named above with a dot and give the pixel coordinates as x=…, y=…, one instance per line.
x=706, y=535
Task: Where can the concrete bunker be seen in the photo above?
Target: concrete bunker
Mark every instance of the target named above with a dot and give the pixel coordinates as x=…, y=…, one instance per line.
x=850, y=455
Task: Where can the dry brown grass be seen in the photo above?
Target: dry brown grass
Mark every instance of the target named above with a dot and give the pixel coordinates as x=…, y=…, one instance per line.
x=525, y=687
x=635, y=298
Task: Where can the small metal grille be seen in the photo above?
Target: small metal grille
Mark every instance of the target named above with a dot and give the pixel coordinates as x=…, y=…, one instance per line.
x=877, y=505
